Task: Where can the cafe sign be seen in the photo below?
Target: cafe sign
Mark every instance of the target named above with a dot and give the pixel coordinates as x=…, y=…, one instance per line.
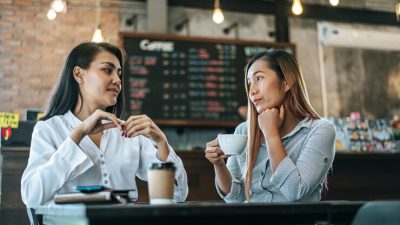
x=9, y=119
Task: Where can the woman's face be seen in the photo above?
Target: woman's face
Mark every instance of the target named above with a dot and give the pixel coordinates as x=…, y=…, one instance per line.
x=266, y=89
x=102, y=81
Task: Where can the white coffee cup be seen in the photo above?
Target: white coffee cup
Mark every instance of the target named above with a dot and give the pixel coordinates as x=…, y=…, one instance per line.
x=232, y=144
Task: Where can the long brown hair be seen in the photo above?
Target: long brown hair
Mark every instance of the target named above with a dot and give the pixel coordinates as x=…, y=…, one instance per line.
x=66, y=94
x=287, y=68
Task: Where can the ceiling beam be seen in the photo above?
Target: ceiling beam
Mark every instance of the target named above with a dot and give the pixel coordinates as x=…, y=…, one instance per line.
x=312, y=11
x=263, y=7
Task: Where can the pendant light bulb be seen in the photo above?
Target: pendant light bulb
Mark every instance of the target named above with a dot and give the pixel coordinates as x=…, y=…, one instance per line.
x=59, y=6
x=218, y=16
x=297, y=8
x=97, y=35
x=398, y=11
x=51, y=14
x=334, y=2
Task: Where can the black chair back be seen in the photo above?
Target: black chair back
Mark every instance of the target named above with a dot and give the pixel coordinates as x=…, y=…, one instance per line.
x=378, y=213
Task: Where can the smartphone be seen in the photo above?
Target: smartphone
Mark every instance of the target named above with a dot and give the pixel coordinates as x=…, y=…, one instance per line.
x=90, y=188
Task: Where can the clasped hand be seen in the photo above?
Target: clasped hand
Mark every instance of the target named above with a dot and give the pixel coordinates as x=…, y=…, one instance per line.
x=271, y=120
x=132, y=127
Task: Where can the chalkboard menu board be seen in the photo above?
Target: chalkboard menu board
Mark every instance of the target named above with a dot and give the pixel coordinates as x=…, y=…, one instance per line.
x=184, y=81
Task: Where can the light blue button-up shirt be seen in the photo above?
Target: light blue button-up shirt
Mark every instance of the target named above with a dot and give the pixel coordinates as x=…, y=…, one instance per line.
x=310, y=149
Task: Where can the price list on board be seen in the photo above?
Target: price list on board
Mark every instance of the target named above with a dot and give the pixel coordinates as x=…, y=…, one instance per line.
x=190, y=80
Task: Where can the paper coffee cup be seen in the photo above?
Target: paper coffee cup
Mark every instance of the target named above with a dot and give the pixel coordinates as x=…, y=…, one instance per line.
x=161, y=176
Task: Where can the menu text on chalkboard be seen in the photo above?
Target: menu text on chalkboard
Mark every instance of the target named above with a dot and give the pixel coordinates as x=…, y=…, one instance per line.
x=184, y=81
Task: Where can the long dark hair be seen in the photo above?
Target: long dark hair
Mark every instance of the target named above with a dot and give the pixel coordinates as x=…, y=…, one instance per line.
x=287, y=68
x=66, y=94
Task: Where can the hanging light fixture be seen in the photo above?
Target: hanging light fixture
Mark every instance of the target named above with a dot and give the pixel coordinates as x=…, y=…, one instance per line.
x=334, y=2
x=218, y=16
x=56, y=6
x=98, y=34
x=297, y=8
x=59, y=6
x=398, y=11
x=51, y=14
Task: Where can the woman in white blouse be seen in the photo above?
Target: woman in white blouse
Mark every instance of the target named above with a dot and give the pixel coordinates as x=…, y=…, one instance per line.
x=82, y=140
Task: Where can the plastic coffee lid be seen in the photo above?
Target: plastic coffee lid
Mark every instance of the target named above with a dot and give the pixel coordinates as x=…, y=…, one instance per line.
x=163, y=166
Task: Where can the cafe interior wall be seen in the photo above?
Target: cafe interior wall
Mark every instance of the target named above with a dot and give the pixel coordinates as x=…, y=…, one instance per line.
x=363, y=80
x=32, y=50
x=353, y=83
x=256, y=27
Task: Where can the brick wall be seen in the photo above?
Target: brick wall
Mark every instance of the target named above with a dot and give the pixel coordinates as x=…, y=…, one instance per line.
x=33, y=48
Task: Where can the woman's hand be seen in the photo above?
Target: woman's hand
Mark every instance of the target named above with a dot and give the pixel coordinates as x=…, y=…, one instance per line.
x=271, y=120
x=92, y=125
x=214, y=153
x=143, y=125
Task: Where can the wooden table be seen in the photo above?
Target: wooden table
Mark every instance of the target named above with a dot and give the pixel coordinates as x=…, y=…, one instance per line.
x=356, y=177
x=209, y=213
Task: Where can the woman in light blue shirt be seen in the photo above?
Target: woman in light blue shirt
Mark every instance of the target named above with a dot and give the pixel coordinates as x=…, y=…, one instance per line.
x=290, y=149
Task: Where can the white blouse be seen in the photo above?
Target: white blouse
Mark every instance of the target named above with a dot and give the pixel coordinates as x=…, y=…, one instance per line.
x=57, y=164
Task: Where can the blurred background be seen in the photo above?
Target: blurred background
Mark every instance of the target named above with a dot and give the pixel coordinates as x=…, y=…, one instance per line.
x=348, y=50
